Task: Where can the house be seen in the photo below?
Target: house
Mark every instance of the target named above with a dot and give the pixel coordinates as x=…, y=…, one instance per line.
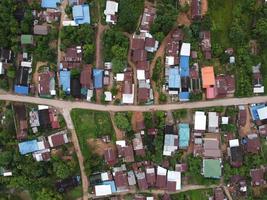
x=110, y=156
x=73, y=55
x=170, y=144
x=181, y=167
x=6, y=55
x=30, y=146
x=23, y=90
x=65, y=80
x=86, y=77
x=184, y=135
x=40, y=29
x=50, y=4
x=253, y=144
x=139, y=121
x=22, y=76
x=236, y=153
x=218, y=194
x=125, y=151
x=211, y=148
x=81, y=14
x=110, y=11
x=138, y=44
x=58, y=139
x=263, y=130
x=184, y=59
x=98, y=78
x=21, y=118
x=225, y=84
x=43, y=115
x=49, y=15
x=174, y=82
x=43, y=155
x=212, y=168
x=67, y=184
x=53, y=118
x=131, y=178
x=26, y=39
x=208, y=82
x=151, y=45
x=102, y=190
x=34, y=119
x=138, y=145
x=161, y=177
x=242, y=115
x=200, y=121
x=206, y=44
x=258, y=87
x=128, y=88
x=75, y=88
x=258, y=176
x=173, y=181
x=46, y=86
x=196, y=9
x=141, y=180
x=139, y=55
x=143, y=95
x=150, y=176
x=213, y=125
x=148, y=18
x=121, y=181
x=195, y=79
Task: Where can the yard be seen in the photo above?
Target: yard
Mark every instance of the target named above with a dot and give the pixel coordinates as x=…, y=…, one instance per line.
x=193, y=194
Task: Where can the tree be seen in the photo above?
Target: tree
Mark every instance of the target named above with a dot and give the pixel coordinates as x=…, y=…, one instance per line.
x=162, y=97
x=61, y=169
x=5, y=158
x=180, y=114
x=261, y=29
x=46, y=194
x=122, y=122
x=11, y=72
x=88, y=53
x=118, y=65
x=75, y=72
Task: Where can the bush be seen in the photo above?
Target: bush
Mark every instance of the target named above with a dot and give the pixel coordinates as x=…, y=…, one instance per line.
x=123, y=122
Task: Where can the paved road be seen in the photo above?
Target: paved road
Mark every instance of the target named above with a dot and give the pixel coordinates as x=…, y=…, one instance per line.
x=61, y=104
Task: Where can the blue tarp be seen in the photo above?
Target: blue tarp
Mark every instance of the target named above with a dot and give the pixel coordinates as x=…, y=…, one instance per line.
x=254, y=112
x=50, y=3
x=98, y=78
x=28, y=147
x=81, y=14
x=65, y=80
x=21, y=89
x=112, y=184
x=184, y=66
x=174, y=78
x=184, y=135
x=184, y=96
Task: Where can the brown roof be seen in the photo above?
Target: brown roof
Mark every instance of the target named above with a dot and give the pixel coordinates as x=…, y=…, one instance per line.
x=126, y=152
x=139, y=55
x=141, y=180
x=257, y=176
x=150, y=176
x=263, y=130
x=44, y=81
x=110, y=156
x=195, y=9
x=152, y=131
x=57, y=140
x=242, y=117
x=121, y=180
x=171, y=186
x=143, y=95
x=150, y=42
x=211, y=148
x=138, y=44
x=127, y=87
x=172, y=48
x=21, y=116
x=178, y=35
x=181, y=167
x=40, y=29
x=72, y=55
x=253, y=145
x=166, y=197
x=142, y=65
x=225, y=84
x=86, y=77
x=161, y=182
x=148, y=18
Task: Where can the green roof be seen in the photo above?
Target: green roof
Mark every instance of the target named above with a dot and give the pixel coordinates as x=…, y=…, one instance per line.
x=212, y=168
x=26, y=39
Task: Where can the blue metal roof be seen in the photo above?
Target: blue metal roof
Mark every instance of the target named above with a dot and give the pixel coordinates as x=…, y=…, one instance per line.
x=21, y=89
x=98, y=78
x=50, y=3
x=174, y=78
x=254, y=111
x=81, y=14
x=28, y=147
x=65, y=80
x=184, y=135
x=184, y=96
x=184, y=66
x=112, y=185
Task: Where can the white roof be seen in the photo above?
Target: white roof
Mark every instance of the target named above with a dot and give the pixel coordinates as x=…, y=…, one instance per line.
x=102, y=190
x=90, y=94
x=150, y=170
x=174, y=176
x=200, y=121
x=262, y=112
x=225, y=120
x=161, y=171
x=41, y=145
x=1, y=68
x=104, y=176
x=169, y=60
x=258, y=89
x=120, y=76
x=111, y=8
x=26, y=64
x=213, y=119
x=42, y=107
x=185, y=49
x=7, y=174
x=128, y=98
x=121, y=143
x=141, y=74
x=69, y=23
x=108, y=96
x=234, y=143
x=150, y=198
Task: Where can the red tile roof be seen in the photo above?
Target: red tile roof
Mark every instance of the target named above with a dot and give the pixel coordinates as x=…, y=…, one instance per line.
x=86, y=77
x=121, y=180
x=138, y=44
x=139, y=55
x=143, y=95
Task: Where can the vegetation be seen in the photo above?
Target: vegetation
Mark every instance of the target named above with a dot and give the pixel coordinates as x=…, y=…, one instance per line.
x=180, y=114
x=116, y=49
x=129, y=13
x=157, y=73
x=193, y=194
x=123, y=121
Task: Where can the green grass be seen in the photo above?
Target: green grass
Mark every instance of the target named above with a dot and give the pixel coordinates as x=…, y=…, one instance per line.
x=91, y=124
x=193, y=195
x=74, y=194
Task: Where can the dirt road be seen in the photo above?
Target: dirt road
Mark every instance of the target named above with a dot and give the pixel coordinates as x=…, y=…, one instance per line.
x=61, y=104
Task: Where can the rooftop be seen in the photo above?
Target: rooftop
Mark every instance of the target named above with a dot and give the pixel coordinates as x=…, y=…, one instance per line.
x=212, y=168
x=81, y=14
x=208, y=78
